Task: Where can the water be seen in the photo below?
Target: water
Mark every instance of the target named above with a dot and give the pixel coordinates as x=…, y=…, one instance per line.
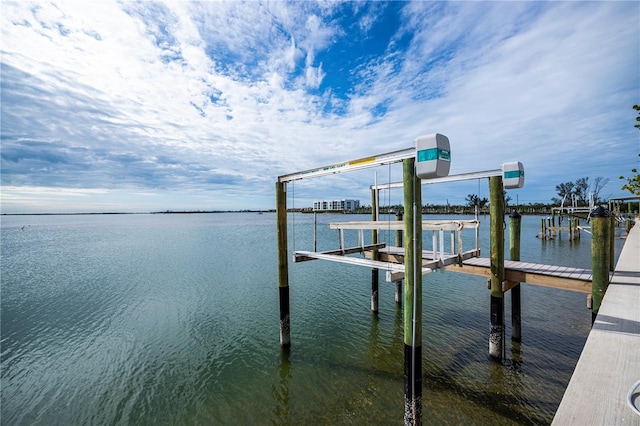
x=173, y=319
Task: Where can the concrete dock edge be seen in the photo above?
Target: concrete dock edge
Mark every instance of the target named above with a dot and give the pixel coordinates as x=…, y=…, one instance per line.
x=610, y=361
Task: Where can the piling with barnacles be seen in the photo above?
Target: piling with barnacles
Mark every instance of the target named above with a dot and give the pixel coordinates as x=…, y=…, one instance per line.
x=496, y=211
x=398, y=284
x=375, y=256
x=283, y=264
x=412, y=295
x=515, y=222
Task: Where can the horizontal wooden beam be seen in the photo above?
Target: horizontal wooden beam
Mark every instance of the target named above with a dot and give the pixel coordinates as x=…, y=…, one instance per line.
x=396, y=255
x=393, y=267
x=396, y=225
x=299, y=257
x=562, y=278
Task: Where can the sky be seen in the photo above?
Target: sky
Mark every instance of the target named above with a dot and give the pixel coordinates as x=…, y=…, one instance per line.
x=153, y=106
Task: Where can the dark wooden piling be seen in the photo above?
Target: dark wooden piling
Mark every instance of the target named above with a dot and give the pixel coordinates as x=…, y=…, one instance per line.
x=399, y=244
x=515, y=222
x=283, y=264
x=315, y=231
x=375, y=256
x=412, y=295
x=496, y=211
x=600, y=252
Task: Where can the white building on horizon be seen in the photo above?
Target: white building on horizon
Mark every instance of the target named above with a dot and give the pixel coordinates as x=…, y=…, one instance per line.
x=347, y=205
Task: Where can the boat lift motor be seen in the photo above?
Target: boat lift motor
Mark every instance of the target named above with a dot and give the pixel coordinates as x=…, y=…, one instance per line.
x=433, y=156
x=513, y=175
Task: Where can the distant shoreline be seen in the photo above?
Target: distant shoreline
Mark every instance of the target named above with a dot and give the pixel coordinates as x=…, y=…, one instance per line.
x=117, y=213
x=527, y=211
x=259, y=212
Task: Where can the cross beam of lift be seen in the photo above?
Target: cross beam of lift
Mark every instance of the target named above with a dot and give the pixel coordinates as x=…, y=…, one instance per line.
x=431, y=155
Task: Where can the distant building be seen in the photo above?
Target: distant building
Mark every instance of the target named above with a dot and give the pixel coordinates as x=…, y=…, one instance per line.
x=349, y=205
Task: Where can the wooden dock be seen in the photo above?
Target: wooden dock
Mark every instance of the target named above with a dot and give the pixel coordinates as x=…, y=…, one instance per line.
x=601, y=384
x=560, y=277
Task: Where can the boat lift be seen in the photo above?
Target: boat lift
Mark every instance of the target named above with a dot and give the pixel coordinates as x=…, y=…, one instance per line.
x=393, y=257
x=427, y=162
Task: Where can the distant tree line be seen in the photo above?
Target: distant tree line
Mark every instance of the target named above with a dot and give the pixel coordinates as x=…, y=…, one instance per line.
x=581, y=191
x=632, y=183
x=469, y=208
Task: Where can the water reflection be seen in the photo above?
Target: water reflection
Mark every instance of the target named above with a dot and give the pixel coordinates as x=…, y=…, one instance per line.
x=280, y=390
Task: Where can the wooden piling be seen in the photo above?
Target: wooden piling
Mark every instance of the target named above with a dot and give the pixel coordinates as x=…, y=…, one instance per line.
x=412, y=295
x=515, y=222
x=600, y=251
x=283, y=263
x=612, y=242
x=570, y=228
x=398, y=244
x=496, y=211
x=375, y=256
x=315, y=231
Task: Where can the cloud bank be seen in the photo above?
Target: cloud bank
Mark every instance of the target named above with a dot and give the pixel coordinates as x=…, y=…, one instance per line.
x=144, y=106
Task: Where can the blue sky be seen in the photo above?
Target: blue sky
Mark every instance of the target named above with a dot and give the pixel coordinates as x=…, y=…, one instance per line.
x=150, y=106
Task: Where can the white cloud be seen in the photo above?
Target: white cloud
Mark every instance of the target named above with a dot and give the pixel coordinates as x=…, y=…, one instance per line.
x=225, y=96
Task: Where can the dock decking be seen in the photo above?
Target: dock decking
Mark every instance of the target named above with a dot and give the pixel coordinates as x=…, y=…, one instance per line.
x=610, y=361
x=560, y=277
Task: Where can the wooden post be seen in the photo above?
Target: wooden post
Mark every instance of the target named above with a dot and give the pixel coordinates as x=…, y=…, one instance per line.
x=570, y=228
x=612, y=242
x=412, y=294
x=541, y=234
x=283, y=263
x=374, y=254
x=496, y=211
x=600, y=242
x=515, y=222
x=399, y=244
x=315, y=231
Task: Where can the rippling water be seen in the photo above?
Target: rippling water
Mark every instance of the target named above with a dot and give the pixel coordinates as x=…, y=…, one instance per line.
x=173, y=319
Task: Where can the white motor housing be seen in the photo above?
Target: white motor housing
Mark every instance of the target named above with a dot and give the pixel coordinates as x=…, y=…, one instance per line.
x=433, y=156
x=512, y=175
